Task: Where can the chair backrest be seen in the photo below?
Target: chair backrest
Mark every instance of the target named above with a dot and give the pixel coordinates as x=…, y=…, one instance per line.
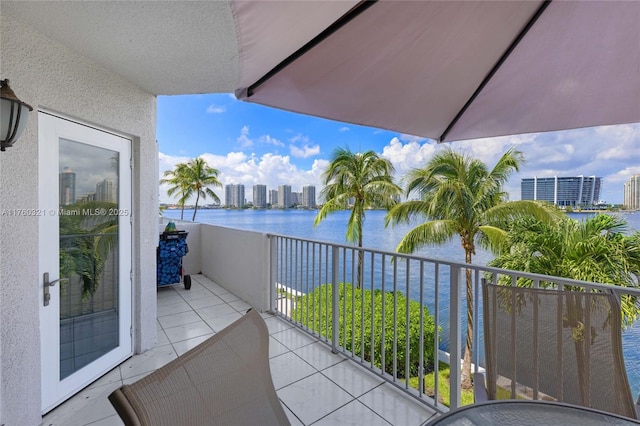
x=555, y=345
x=226, y=380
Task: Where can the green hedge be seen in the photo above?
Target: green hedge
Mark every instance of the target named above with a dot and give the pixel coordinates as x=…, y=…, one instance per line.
x=314, y=311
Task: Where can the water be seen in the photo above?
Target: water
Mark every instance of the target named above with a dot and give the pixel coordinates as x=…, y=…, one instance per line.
x=299, y=223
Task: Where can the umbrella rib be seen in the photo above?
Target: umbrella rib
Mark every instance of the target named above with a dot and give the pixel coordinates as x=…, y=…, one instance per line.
x=342, y=21
x=496, y=67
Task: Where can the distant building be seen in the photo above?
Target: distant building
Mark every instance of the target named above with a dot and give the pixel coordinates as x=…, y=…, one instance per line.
x=105, y=192
x=67, y=184
x=260, y=196
x=284, y=196
x=84, y=198
x=234, y=195
x=309, y=197
x=632, y=193
x=273, y=197
x=296, y=198
x=578, y=191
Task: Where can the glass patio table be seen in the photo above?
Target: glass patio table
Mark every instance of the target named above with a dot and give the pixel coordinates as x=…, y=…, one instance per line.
x=525, y=413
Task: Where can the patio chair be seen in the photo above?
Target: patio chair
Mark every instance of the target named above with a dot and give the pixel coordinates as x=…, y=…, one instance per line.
x=226, y=380
x=554, y=345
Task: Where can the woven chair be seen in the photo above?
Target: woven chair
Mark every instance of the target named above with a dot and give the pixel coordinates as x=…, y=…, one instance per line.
x=226, y=380
x=554, y=345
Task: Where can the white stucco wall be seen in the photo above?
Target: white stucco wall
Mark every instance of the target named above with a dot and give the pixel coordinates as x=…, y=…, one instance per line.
x=238, y=261
x=45, y=74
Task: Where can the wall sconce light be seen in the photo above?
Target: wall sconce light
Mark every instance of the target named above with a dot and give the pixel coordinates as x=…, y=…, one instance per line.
x=14, y=115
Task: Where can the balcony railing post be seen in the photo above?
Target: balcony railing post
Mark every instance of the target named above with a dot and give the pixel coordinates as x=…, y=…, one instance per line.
x=454, y=337
x=335, y=303
x=273, y=271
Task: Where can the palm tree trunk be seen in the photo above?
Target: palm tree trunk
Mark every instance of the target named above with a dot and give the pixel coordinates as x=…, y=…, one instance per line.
x=466, y=362
x=360, y=260
x=182, y=212
x=576, y=319
x=195, y=210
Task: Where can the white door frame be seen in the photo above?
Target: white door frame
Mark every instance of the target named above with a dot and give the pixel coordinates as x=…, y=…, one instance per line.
x=50, y=129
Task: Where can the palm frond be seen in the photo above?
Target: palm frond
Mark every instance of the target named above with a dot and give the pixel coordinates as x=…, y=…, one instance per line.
x=433, y=232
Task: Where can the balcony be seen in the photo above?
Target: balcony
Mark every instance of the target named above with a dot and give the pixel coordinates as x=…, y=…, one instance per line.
x=315, y=385
x=319, y=378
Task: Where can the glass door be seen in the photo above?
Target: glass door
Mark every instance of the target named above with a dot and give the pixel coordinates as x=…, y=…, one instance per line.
x=85, y=250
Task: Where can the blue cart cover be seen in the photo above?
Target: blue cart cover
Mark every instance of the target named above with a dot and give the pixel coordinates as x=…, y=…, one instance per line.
x=171, y=249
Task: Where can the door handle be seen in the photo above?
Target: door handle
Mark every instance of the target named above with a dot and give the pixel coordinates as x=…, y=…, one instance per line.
x=46, y=284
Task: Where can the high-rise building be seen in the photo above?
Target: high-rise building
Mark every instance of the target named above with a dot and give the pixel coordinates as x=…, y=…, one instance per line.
x=67, y=182
x=85, y=198
x=284, y=196
x=309, y=196
x=578, y=191
x=105, y=192
x=259, y=196
x=632, y=193
x=273, y=197
x=234, y=195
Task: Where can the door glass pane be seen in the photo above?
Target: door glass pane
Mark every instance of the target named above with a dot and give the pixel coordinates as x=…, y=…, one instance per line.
x=88, y=215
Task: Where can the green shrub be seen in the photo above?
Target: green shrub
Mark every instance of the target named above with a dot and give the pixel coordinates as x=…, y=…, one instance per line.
x=314, y=311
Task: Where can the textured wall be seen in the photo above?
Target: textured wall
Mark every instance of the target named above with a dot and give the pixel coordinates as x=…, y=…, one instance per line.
x=238, y=261
x=47, y=75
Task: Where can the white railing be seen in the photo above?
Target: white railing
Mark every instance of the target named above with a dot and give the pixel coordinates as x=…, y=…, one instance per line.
x=304, y=273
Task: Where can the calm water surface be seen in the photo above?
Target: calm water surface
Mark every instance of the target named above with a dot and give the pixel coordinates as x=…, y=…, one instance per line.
x=299, y=223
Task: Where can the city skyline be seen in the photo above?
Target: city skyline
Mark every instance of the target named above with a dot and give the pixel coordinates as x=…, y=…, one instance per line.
x=235, y=196
x=253, y=144
x=105, y=189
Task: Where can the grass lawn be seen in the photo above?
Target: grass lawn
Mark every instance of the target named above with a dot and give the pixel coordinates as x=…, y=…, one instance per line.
x=443, y=384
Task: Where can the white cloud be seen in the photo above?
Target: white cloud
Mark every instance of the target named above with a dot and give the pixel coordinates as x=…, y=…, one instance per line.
x=215, y=109
x=239, y=168
x=299, y=138
x=343, y=129
x=243, y=139
x=305, y=152
x=271, y=141
x=405, y=157
x=300, y=147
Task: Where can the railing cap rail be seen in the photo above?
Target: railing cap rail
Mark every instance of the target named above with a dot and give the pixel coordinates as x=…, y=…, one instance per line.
x=480, y=268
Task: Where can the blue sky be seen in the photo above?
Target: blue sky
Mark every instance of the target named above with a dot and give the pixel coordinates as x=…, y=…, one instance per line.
x=252, y=144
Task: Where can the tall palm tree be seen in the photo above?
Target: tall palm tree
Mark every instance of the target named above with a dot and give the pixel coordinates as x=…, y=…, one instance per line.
x=178, y=181
x=199, y=177
x=595, y=250
x=460, y=196
x=357, y=181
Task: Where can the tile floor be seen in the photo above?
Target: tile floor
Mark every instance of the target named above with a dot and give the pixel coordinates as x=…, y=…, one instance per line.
x=315, y=386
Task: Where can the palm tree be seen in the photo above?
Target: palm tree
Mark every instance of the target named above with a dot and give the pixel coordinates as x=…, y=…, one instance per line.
x=461, y=197
x=199, y=177
x=177, y=178
x=595, y=250
x=191, y=178
x=357, y=181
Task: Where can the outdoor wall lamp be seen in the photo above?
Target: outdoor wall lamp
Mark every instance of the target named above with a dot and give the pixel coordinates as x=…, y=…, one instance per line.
x=14, y=115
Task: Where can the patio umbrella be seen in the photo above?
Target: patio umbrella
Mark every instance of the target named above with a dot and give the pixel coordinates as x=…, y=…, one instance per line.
x=453, y=70
x=447, y=70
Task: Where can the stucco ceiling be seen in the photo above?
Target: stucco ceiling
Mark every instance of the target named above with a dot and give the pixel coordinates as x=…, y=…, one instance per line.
x=181, y=46
x=165, y=47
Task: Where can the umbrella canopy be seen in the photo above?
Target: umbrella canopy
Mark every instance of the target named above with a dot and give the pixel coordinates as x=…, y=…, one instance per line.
x=447, y=70
x=451, y=70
